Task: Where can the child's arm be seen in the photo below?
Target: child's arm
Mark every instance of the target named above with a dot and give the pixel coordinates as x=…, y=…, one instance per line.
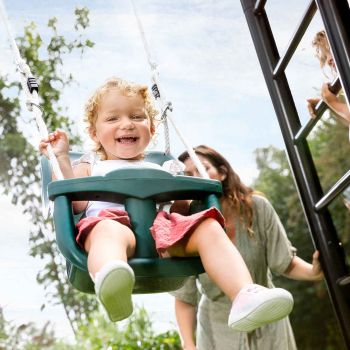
x=311, y=104
x=333, y=102
x=60, y=145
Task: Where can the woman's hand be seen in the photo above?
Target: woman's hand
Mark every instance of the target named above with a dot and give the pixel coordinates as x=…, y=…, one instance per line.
x=316, y=266
x=59, y=143
x=301, y=270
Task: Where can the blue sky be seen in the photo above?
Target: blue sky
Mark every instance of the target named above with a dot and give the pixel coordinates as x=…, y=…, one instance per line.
x=208, y=69
x=208, y=66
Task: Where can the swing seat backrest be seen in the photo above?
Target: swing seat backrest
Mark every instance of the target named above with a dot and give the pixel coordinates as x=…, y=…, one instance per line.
x=139, y=190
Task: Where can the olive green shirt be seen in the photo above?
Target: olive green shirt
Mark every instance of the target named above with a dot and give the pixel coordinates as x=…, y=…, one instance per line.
x=269, y=251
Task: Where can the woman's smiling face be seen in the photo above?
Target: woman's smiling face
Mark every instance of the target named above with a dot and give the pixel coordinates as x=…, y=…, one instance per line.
x=191, y=169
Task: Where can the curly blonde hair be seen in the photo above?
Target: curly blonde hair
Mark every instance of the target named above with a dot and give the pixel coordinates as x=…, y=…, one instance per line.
x=321, y=45
x=126, y=88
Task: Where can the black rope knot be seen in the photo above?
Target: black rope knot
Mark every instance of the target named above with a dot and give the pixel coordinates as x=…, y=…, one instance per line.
x=155, y=91
x=32, y=85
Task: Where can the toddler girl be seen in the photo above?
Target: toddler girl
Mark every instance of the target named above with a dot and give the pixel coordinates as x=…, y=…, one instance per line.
x=120, y=117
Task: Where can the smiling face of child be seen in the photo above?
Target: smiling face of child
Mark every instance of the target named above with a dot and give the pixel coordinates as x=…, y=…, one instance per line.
x=122, y=126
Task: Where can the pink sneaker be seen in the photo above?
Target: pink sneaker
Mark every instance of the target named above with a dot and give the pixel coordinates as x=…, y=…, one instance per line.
x=255, y=306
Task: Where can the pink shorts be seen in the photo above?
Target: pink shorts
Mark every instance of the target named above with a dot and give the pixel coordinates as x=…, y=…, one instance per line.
x=167, y=228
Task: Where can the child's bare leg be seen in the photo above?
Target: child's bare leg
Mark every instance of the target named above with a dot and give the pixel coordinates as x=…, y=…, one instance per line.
x=220, y=258
x=109, y=244
x=253, y=305
x=108, y=240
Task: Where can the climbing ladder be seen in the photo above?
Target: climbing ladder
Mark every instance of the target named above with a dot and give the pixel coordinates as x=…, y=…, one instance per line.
x=336, y=16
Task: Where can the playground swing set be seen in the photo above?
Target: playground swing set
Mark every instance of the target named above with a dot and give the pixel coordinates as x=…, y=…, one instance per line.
x=141, y=189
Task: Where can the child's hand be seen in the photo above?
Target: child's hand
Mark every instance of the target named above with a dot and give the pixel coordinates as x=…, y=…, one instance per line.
x=316, y=266
x=311, y=104
x=327, y=95
x=59, y=143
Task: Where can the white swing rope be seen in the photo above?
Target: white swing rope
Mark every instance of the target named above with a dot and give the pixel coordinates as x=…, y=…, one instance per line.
x=165, y=106
x=30, y=87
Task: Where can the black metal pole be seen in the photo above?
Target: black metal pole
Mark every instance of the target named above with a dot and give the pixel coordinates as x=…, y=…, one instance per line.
x=321, y=226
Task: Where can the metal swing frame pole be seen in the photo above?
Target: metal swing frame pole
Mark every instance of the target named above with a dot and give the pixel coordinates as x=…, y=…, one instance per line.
x=321, y=226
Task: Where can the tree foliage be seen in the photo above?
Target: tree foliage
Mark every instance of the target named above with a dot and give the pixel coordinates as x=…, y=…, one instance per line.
x=96, y=334
x=19, y=160
x=19, y=178
x=312, y=314
x=137, y=334
x=330, y=149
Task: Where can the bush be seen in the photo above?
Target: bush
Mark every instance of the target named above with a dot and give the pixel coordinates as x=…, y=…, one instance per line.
x=97, y=334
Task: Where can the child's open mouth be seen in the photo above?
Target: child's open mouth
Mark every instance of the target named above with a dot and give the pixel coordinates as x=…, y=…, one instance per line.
x=127, y=140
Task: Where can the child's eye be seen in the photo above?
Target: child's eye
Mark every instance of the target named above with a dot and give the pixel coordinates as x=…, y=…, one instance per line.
x=112, y=118
x=138, y=117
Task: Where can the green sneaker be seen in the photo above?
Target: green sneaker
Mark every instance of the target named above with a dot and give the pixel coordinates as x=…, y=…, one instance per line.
x=113, y=286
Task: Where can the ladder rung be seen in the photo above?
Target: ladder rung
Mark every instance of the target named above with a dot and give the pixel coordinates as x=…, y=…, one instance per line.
x=259, y=6
x=334, y=192
x=343, y=281
x=296, y=38
x=320, y=108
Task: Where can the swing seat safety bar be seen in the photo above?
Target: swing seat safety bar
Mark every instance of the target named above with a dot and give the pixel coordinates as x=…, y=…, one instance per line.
x=139, y=190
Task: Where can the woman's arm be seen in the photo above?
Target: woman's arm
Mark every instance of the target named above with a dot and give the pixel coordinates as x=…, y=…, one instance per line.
x=303, y=271
x=186, y=321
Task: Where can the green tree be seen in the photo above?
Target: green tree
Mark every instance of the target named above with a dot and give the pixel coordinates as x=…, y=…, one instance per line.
x=27, y=336
x=96, y=334
x=137, y=334
x=312, y=314
x=19, y=160
x=330, y=150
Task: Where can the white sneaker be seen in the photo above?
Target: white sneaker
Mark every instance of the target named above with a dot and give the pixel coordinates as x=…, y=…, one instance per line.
x=113, y=286
x=255, y=306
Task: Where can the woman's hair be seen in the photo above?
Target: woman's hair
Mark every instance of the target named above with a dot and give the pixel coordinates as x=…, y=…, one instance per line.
x=321, y=45
x=238, y=195
x=126, y=88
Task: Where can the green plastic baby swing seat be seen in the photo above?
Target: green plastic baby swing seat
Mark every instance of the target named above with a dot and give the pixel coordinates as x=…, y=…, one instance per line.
x=139, y=190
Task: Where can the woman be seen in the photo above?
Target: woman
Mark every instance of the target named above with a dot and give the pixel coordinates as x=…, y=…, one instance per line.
x=253, y=225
